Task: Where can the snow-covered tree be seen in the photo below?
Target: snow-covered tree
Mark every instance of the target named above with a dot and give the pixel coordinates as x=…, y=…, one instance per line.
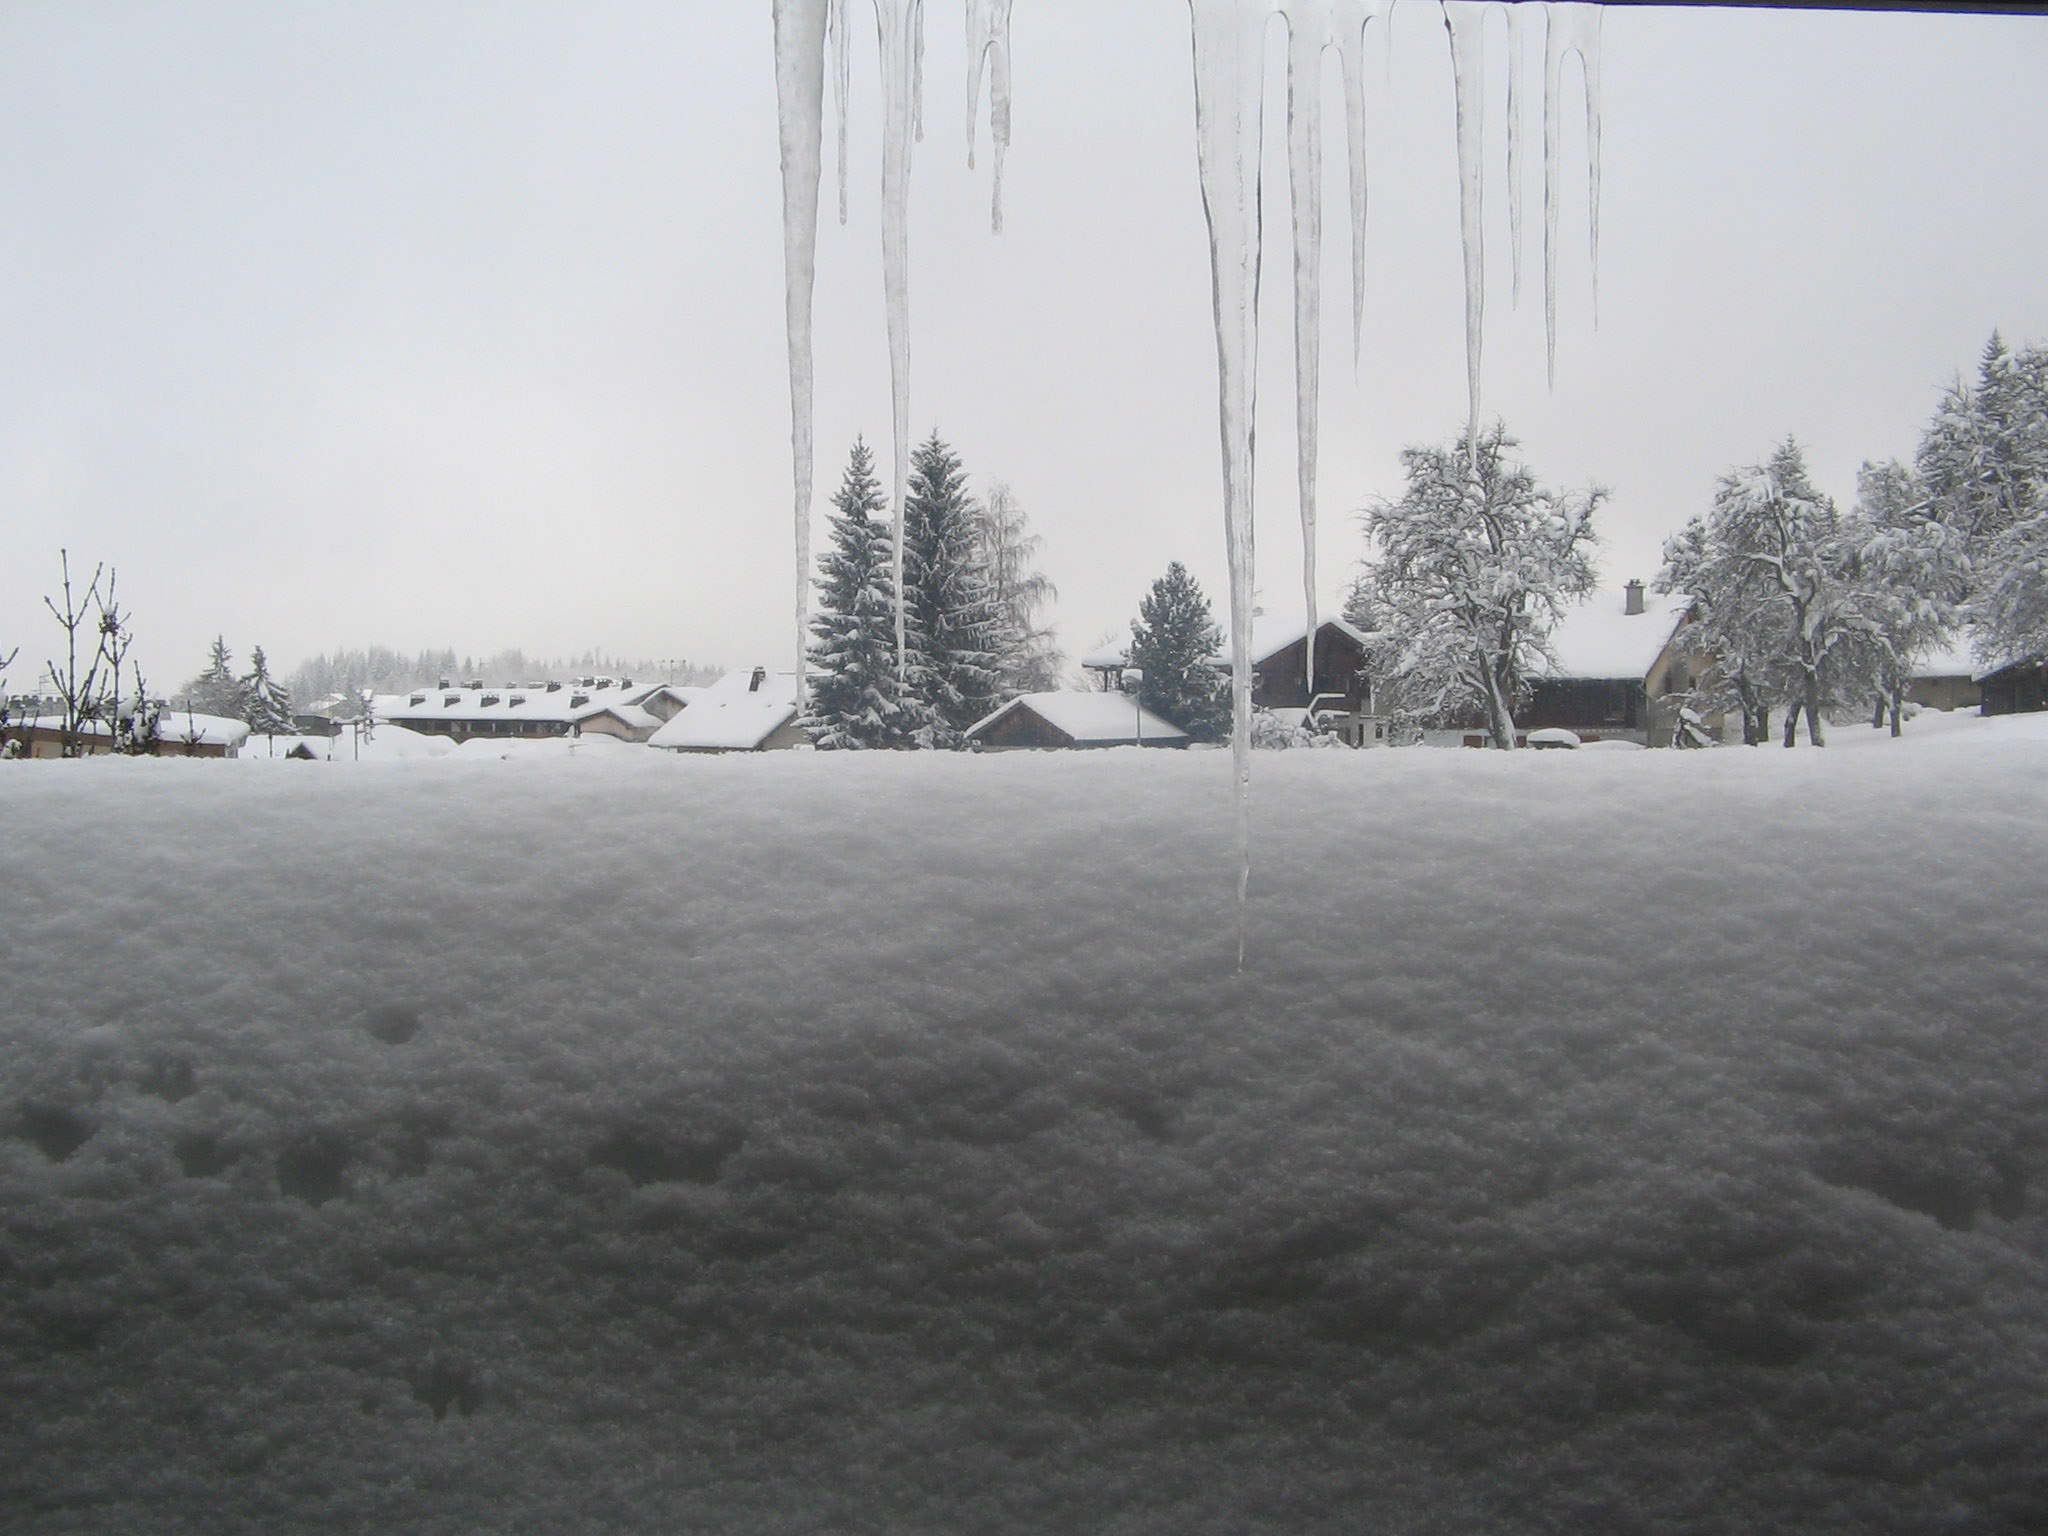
x=956, y=634
x=1472, y=568
x=269, y=705
x=856, y=699
x=1914, y=572
x=1984, y=457
x=1028, y=661
x=1795, y=605
x=1174, y=641
x=1984, y=465
x=217, y=690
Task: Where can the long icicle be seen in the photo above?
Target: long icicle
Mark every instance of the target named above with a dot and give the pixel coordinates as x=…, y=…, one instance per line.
x=1514, y=17
x=1351, y=19
x=1569, y=28
x=988, y=42
x=899, y=25
x=799, y=103
x=1465, y=21
x=1308, y=32
x=1228, y=58
x=840, y=83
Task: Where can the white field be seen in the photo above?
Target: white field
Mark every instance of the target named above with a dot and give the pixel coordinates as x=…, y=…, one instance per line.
x=607, y=1141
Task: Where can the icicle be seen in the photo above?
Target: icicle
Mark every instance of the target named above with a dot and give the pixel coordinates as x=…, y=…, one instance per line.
x=1307, y=34
x=988, y=39
x=799, y=99
x=1570, y=28
x=917, y=70
x=1514, y=17
x=1351, y=19
x=1465, y=21
x=900, y=25
x=840, y=74
x=1228, y=50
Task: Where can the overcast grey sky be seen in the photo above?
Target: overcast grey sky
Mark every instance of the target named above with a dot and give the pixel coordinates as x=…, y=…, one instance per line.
x=460, y=324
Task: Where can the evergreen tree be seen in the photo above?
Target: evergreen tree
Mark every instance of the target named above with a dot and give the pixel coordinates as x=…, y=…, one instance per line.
x=1984, y=465
x=955, y=631
x=1174, y=641
x=216, y=690
x=1475, y=564
x=269, y=705
x=855, y=698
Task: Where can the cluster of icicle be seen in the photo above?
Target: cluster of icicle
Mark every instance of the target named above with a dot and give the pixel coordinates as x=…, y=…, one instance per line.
x=1230, y=38
x=802, y=30
x=1229, y=57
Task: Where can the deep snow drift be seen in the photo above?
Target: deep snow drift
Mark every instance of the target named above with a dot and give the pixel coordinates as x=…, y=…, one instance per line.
x=1593, y=1141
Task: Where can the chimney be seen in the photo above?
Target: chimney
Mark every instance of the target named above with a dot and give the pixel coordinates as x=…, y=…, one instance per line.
x=760, y=676
x=1633, y=601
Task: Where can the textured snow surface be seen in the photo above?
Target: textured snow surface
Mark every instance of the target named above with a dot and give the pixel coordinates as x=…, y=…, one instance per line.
x=606, y=1142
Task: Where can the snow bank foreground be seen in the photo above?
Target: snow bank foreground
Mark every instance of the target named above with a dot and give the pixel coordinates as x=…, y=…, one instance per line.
x=1592, y=1142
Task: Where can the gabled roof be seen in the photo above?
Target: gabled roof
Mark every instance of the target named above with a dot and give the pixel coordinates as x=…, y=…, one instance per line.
x=732, y=715
x=1091, y=719
x=564, y=705
x=175, y=726
x=1269, y=639
x=1601, y=639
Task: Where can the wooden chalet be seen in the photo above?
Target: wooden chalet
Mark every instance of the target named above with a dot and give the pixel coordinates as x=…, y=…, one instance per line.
x=1051, y=720
x=2018, y=687
x=1336, y=695
x=1615, y=667
x=747, y=711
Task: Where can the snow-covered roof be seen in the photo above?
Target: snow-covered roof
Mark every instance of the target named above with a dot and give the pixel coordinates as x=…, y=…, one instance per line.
x=202, y=730
x=1091, y=719
x=564, y=705
x=1272, y=636
x=1956, y=659
x=1601, y=639
x=1269, y=638
x=175, y=725
x=735, y=714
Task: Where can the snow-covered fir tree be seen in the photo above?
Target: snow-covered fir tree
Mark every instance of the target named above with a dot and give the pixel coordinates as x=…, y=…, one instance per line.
x=269, y=704
x=217, y=690
x=1174, y=641
x=1473, y=566
x=856, y=700
x=956, y=633
x=1983, y=463
x=1029, y=659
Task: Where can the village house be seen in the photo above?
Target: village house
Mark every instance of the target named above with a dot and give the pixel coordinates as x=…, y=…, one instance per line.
x=597, y=707
x=744, y=711
x=1041, y=720
x=1614, y=672
x=33, y=729
x=1335, y=696
x=2018, y=687
x=1947, y=679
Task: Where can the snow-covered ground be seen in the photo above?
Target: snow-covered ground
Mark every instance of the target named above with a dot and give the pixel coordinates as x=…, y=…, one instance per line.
x=611, y=1141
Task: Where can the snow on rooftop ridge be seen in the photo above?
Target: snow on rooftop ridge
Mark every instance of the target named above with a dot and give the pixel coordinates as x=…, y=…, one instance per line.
x=737, y=713
x=1091, y=719
x=1269, y=638
x=1601, y=639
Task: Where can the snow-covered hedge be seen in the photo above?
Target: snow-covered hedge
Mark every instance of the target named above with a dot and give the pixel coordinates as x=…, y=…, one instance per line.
x=828, y=1142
